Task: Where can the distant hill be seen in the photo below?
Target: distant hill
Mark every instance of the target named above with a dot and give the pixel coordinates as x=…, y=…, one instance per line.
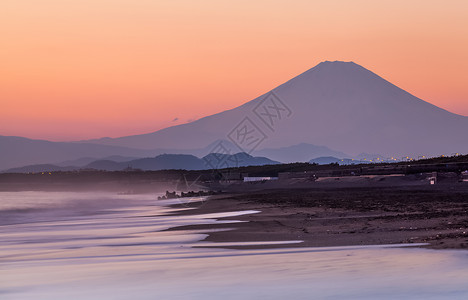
x=160, y=162
x=166, y=161
x=40, y=168
x=105, y=164
x=80, y=162
x=186, y=162
x=242, y=159
x=299, y=153
x=18, y=151
x=326, y=160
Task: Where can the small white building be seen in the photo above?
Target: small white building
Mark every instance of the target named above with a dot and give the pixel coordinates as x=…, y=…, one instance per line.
x=253, y=179
x=433, y=178
x=464, y=176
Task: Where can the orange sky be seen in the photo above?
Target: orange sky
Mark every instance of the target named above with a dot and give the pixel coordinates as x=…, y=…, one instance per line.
x=76, y=69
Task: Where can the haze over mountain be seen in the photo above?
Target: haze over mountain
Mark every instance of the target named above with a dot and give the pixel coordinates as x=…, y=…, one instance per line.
x=83, y=161
x=26, y=155
x=160, y=162
x=337, y=104
x=18, y=151
x=299, y=153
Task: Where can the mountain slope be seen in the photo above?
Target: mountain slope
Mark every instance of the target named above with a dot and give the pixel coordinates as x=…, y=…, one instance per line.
x=338, y=104
x=167, y=161
x=242, y=159
x=83, y=161
x=184, y=161
x=299, y=153
x=39, y=168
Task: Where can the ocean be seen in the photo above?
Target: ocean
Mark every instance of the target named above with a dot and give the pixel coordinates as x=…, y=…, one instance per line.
x=96, y=245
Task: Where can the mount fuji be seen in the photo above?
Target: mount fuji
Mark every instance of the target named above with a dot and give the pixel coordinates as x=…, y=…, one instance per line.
x=340, y=105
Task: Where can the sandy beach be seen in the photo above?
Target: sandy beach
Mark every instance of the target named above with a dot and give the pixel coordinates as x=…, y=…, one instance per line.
x=437, y=215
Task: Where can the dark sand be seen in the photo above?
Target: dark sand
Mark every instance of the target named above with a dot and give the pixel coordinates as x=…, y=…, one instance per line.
x=437, y=215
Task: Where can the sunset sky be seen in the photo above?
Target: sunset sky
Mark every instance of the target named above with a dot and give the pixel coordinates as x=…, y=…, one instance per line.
x=78, y=69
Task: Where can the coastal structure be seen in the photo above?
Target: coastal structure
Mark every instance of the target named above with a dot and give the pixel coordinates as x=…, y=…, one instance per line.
x=256, y=179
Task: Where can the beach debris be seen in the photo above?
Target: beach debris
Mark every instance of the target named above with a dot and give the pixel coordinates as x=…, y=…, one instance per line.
x=174, y=195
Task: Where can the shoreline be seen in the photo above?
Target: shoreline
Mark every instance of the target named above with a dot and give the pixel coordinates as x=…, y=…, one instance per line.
x=340, y=217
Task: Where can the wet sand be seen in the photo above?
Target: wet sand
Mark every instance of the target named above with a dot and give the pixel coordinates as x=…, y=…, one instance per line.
x=437, y=215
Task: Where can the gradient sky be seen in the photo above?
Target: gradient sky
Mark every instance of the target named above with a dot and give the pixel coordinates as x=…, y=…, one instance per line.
x=76, y=69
